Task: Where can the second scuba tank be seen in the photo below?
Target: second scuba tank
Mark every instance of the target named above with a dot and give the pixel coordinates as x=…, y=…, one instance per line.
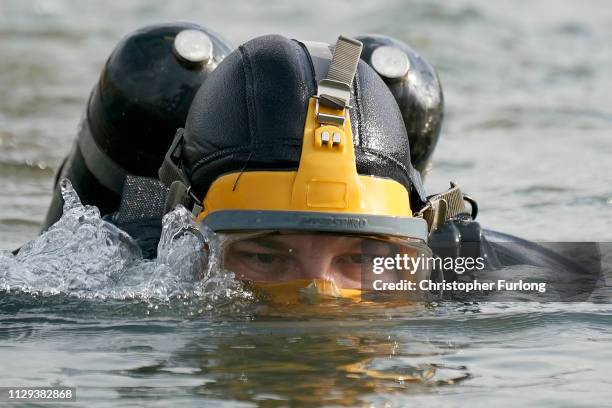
x=141, y=99
x=416, y=87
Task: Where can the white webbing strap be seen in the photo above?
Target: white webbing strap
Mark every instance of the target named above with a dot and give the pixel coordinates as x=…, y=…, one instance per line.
x=335, y=90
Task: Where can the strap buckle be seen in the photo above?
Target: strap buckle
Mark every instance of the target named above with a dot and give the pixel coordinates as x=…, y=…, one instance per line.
x=328, y=118
x=181, y=194
x=334, y=94
x=445, y=206
x=434, y=212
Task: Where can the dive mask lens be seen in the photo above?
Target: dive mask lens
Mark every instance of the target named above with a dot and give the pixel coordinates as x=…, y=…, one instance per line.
x=291, y=267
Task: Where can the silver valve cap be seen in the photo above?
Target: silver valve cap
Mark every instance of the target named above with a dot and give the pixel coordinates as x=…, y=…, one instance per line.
x=390, y=62
x=193, y=46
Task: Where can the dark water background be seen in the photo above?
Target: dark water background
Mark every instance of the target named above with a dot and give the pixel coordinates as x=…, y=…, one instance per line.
x=527, y=132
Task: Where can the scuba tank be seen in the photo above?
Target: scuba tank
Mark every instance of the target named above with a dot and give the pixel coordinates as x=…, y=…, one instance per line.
x=416, y=88
x=142, y=97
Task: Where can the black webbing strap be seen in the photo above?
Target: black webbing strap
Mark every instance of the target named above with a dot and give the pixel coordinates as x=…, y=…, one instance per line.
x=172, y=176
x=110, y=174
x=170, y=170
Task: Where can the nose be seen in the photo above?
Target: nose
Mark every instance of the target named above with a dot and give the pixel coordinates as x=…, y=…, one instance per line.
x=316, y=266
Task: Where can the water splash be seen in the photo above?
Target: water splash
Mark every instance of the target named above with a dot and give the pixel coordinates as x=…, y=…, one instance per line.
x=82, y=256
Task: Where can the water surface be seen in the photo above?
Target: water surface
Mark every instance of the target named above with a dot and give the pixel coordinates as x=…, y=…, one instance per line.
x=527, y=131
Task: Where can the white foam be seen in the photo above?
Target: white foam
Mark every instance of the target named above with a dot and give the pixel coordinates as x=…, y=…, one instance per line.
x=84, y=256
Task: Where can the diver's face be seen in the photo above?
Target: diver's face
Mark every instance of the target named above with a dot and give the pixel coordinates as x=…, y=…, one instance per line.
x=276, y=258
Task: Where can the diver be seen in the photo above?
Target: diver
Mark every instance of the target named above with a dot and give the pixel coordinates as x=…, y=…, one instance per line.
x=305, y=158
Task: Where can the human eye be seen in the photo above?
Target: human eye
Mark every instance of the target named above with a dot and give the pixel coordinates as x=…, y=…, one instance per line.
x=357, y=259
x=258, y=264
x=263, y=258
x=349, y=267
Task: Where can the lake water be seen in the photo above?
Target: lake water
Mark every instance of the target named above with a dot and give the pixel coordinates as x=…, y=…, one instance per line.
x=527, y=133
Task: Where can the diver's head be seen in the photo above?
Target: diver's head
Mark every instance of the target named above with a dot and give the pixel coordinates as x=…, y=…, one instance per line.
x=298, y=155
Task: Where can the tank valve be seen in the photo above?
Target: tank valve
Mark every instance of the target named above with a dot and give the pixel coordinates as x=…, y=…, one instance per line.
x=193, y=46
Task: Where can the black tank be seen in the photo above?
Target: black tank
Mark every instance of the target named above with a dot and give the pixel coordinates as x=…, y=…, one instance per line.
x=415, y=86
x=142, y=97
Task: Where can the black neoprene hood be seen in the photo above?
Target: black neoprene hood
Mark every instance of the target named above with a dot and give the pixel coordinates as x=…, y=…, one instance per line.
x=250, y=114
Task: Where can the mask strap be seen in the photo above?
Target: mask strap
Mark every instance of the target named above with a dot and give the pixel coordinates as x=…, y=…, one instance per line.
x=172, y=176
